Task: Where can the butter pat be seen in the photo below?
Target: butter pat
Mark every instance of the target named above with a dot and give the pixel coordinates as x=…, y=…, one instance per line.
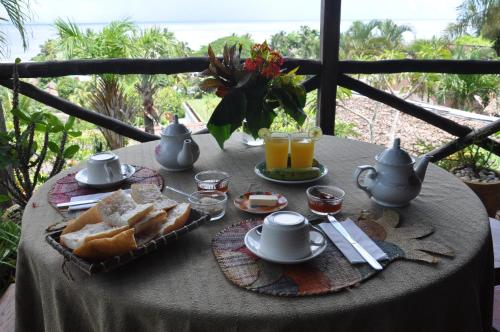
x=263, y=200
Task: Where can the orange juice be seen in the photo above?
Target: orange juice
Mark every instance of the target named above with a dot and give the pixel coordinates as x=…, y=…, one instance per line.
x=302, y=153
x=276, y=151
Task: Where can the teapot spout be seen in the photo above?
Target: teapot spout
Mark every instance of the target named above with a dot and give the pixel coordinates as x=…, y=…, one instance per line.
x=421, y=167
x=185, y=157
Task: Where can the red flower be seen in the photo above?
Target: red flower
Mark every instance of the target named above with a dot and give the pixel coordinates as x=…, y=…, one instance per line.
x=253, y=64
x=276, y=58
x=271, y=70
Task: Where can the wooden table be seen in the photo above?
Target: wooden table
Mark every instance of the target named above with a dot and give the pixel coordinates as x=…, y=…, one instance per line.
x=182, y=288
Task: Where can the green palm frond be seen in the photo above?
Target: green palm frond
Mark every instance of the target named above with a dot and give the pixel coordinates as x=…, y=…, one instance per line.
x=17, y=11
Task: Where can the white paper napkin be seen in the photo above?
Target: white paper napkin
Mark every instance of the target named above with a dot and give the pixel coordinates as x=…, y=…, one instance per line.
x=357, y=234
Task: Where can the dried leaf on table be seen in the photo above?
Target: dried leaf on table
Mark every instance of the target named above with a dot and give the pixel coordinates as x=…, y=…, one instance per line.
x=408, y=239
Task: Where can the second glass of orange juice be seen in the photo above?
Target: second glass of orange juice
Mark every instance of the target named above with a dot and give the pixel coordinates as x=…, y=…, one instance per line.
x=302, y=150
x=276, y=145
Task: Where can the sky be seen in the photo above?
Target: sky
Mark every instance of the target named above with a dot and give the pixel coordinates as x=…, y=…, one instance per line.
x=198, y=22
x=92, y=11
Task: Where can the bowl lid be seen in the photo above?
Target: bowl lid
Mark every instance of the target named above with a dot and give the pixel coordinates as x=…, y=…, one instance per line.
x=175, y=128
x=395, y=155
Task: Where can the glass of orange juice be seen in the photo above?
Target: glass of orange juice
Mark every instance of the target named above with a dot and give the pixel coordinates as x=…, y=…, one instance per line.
x=302, y=150
x=276, y=145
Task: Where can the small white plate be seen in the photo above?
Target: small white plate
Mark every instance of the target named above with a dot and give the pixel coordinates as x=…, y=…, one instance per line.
x=252, y=242
x=82, y=178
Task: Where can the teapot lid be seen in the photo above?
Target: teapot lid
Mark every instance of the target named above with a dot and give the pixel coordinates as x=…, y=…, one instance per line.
x=395, y=155
x=175, y=128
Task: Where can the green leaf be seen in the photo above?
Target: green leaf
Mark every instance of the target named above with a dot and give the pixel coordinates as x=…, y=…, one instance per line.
x=227, y=116
x=40, y=127
x=69, y=123
x=75, y=133
x=21, y=115
x=55, y=125
x=258, y=115
x=70, y=151
x=292, y=105
x=4, y=198
x=54, y=147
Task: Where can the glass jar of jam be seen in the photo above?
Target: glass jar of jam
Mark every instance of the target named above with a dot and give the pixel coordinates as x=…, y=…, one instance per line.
x=325, y=200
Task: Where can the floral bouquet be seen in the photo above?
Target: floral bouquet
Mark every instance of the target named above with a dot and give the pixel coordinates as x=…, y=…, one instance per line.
x=251, y=90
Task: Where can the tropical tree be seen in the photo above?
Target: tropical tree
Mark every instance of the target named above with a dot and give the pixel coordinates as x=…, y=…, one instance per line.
x=17, y=14
x=372, y=38
x=114, y=41
x=218, y=44
x=478, y=17
x=153, y=44
x=303, y=43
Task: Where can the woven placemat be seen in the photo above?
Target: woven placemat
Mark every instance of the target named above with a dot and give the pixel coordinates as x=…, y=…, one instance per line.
x=329, y=272
x=68, y=187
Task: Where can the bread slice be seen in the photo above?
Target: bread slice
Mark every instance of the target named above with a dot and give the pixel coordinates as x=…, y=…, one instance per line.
x=89, y=232
x=91, y=216
x=165, y=204
x=104, y=248
x=133, y=216
x=118, y=202
x=145, y=193
x=150, y=193
x=151, y=223
x=176, y=218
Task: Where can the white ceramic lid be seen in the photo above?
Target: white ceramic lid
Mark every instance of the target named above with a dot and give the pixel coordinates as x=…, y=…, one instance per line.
x=175, y=128
x=395, y=155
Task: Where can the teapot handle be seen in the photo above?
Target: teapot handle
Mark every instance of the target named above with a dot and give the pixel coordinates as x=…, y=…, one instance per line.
x=357, y=174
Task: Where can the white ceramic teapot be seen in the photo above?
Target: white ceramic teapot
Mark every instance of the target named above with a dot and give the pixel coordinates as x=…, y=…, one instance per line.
x=396, y=179
x=177, y=151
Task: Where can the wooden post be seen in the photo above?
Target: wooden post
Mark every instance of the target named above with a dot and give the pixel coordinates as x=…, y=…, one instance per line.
x=329, y=57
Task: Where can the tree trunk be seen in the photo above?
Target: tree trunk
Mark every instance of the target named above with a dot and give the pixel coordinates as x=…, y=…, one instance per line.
x=4, y=173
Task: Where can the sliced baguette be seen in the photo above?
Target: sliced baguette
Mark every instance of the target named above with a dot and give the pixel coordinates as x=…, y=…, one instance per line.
x=89, y=232
x=100, y=249
x=150, y=193
x=91, y=216
x=151, y=223
x=176, y=218
x=165, y=204
x=145, y=193
x=133, y=216
x=118, y=202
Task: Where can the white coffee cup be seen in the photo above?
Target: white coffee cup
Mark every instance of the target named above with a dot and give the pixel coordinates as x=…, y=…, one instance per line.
x=104, y=168
x=285, y=236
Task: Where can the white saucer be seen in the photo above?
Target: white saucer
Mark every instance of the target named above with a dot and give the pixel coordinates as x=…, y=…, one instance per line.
x=252, y=242
x=82, y=178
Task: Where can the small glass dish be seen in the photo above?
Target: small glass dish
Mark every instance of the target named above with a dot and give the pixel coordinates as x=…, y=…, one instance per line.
x=211, y=202
x=212, y=180
x=325, y=200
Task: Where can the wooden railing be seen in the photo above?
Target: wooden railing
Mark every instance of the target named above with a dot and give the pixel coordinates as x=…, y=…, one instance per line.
x=325, y=75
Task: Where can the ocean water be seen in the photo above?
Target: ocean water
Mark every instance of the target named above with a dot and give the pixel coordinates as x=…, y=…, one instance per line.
x=197, y=34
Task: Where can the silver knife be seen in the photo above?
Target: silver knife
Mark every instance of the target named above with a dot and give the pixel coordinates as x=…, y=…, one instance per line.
x=74, y=203
x=362, y=251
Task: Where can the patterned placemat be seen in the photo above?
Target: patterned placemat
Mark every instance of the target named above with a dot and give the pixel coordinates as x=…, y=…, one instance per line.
x=331, y=271
x=68, y=187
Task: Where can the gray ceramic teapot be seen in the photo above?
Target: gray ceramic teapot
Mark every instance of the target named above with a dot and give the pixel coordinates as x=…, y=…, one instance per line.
x=396, y=179
x=177, y=151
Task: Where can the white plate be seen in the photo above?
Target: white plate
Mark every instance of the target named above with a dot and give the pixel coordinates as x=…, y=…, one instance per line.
x=252, y=242
x=82, y=178
x=260, y=166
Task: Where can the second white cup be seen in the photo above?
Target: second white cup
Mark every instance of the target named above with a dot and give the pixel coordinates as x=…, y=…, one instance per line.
x=285, y=236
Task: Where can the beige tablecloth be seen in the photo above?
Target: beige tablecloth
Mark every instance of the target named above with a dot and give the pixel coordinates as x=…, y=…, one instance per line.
x=181, y=288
